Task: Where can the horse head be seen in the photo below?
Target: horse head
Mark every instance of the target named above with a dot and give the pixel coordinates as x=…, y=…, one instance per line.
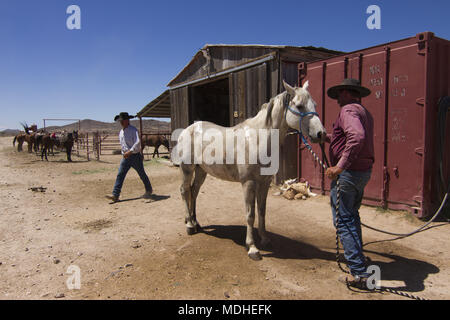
x=75, y=135
x=165, y=142
x=301, y=113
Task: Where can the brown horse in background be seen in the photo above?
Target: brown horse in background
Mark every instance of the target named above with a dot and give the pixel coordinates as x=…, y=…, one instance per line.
x=65, y=141
x=48, y=143
x=155, y=141
x=28, y=136
x=20, y=138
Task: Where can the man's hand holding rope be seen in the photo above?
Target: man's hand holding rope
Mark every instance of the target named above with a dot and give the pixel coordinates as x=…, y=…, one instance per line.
x=333, y=172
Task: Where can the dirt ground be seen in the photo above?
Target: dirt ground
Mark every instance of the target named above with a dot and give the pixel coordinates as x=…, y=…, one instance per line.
x=138, y=249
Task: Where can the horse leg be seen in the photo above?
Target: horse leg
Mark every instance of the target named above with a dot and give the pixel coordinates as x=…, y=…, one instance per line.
x=69, y=153
x=44, y=152
x=186, y=195
x=261, y=197
x=249, y=196
x=199, y=178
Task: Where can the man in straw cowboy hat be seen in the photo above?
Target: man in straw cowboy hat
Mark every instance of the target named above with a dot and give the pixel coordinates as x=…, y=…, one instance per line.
x=132, y=157
x=352, y=157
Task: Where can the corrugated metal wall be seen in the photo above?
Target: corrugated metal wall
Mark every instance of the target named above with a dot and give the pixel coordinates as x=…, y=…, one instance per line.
x=406, y=78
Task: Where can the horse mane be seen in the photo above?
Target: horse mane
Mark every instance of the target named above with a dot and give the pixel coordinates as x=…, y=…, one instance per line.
x=269, y=107
x=25, y=127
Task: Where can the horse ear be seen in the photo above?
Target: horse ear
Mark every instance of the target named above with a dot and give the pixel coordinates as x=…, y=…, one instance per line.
x=288, y=88
x=306, y=85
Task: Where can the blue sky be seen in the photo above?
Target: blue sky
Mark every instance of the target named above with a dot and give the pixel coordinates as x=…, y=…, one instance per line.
x=127, y=51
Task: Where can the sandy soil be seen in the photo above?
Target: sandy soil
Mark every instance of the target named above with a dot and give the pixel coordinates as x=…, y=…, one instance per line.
x=138, y=249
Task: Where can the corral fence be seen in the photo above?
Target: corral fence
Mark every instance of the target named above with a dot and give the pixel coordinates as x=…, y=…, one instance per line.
x=95, y=144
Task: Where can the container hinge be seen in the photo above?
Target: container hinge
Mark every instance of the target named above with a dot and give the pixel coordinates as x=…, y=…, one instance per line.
x=422, y=40
x=418, y=199
x=420, y=101
x=419, y=151
x=385, y=190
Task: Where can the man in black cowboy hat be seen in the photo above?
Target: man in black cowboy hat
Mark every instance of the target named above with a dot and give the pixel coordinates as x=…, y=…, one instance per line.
x=132, y=157
x=352, y=158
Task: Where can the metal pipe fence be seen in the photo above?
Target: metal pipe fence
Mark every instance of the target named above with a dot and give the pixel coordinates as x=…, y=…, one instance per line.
x=93, y=145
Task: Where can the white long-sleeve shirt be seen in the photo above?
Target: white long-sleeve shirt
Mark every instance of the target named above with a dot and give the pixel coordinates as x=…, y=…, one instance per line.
x=129, y=140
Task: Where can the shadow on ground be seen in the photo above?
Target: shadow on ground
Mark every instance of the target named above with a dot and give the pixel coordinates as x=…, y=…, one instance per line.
x=154, y=198
x=412, y=272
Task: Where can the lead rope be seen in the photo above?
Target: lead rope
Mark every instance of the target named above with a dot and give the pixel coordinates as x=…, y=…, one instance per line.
x=317, y=159
x=338, y=191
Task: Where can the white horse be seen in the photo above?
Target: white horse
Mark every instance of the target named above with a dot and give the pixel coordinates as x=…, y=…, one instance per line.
x=293, y=108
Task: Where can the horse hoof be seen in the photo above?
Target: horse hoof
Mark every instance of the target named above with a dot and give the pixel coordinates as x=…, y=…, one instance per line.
x=191, y=231
x=255, y=255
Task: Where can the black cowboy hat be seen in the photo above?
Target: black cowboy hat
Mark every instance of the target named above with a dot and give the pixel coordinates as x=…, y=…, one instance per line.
x=123, y=116
x=350, y=84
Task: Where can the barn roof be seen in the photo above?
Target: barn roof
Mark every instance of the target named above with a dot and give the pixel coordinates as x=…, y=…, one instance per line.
x=214, y=59
x=157, y=108
x=218, y=57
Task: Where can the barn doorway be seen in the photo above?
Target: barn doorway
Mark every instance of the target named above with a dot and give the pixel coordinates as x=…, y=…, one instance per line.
x=211, y=102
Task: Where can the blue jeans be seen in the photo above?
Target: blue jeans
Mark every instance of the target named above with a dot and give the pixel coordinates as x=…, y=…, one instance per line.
x=352, y=184
x=134, y=161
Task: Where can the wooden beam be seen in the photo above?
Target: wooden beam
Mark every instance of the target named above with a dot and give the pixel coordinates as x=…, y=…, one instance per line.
x=140, y=134
x=156, y=104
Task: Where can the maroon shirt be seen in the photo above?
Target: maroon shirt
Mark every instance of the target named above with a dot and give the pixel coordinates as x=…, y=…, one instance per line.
x=351, y=146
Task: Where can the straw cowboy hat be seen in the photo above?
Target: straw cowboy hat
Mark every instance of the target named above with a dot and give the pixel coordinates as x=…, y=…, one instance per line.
x=350, y=84
x=123, y=116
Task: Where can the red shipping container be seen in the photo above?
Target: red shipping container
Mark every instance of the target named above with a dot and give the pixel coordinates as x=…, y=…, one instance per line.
x=407, y=78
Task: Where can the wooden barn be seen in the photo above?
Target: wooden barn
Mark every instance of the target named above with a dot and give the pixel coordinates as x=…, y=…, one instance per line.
x=227, y=84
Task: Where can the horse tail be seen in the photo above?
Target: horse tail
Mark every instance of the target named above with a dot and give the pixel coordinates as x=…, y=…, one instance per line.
x=14, y=141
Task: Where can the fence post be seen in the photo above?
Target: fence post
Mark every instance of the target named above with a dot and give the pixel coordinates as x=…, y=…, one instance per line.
x=78, y=146
x=87, y=145
x=97, y=147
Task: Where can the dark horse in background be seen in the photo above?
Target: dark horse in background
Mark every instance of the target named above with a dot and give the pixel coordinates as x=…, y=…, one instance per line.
x=64, y=141
x=155, y=141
